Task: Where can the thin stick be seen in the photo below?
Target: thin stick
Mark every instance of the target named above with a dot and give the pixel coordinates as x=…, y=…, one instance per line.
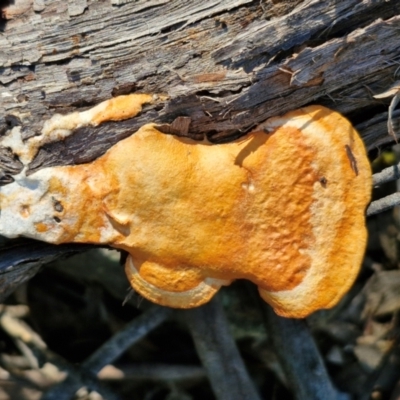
x=119, y=343
x=392, y=106
x=107, y=353
x=299, y=357
x=218, y=352
x=66, y=390
x=154, y=372
x=384, y=204
x=388, y=174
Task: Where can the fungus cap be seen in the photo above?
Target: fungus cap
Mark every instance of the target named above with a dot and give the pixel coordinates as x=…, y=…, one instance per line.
x=282, y=207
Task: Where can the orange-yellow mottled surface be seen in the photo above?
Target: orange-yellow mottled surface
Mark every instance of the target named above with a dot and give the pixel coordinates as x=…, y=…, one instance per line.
x=40, y=227
x=283, y=209
x=121, y=107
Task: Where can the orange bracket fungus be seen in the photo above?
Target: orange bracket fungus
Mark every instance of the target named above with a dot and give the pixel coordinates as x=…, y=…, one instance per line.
x=282, y=207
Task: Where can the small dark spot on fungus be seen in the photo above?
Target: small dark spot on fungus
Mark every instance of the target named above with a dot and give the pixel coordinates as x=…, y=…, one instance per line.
x=323, y=181
x=352, y=159
x=57, y=205
x=25, y=210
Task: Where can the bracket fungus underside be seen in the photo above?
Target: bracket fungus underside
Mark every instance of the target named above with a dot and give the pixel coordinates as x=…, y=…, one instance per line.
x=283, y=207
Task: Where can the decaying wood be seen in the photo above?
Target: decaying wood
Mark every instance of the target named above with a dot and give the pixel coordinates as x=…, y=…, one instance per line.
x=20, y=260
x=299, y=357
x=210, y=332
x=227, y=64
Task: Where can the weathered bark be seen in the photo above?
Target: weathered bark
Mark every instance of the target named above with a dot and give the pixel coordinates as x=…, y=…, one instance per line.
x=21, y=260
x=226, y=64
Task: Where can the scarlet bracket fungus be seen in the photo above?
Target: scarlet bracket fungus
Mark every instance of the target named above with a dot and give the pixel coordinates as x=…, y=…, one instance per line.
x=282, y=207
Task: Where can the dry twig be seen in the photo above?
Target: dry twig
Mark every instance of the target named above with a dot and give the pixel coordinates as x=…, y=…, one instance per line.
x=108, y=352
x=218, y=352
x=387, y=175
x=383, y=204
x=299, y=357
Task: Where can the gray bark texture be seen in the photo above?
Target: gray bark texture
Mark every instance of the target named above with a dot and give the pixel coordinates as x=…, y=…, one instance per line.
x=224, y=65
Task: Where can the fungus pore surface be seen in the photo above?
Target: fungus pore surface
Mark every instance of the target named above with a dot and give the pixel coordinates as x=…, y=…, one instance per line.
x=283, y=207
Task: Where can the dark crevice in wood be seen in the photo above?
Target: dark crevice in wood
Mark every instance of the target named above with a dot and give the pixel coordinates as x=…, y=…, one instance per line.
x=125, y=88
x=5, y=179
x=383, y=11
x=95, y=140
x=3, y=20
x=374, y=131
x=11, y=121
x=20, y=259
x=9, y=162
x=224, y=136
x=172, y=28
x=144, y=9
x=254, y=56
